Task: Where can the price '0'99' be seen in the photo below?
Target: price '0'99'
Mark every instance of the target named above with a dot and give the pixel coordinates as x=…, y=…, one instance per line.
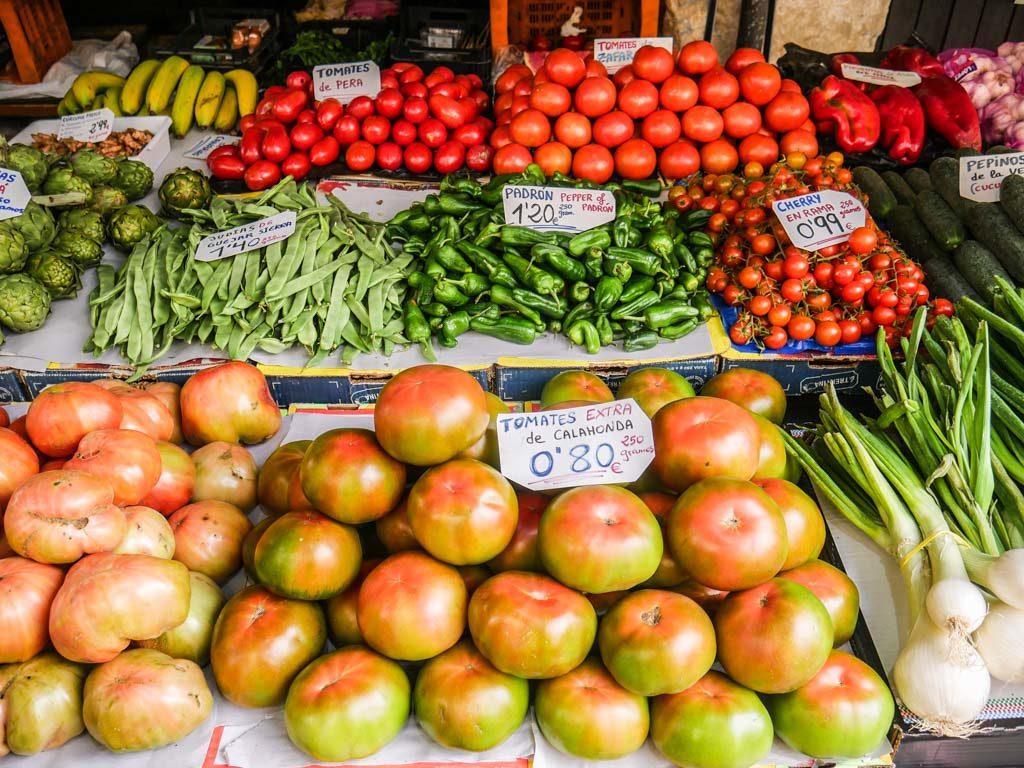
x=828, y=222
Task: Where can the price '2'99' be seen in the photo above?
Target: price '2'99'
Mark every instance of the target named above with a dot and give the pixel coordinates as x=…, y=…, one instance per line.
x=584, y=458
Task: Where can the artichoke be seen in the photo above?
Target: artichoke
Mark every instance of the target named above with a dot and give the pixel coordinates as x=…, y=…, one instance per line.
x=24, y=302
x=93, y=167
x=84, y=222
x=133, y=178
x=107, y=199
x=30, y=163
x=36, y=225
x=13, y=251
x=131, y=225
x=57, y=273
x=63, y=180
x=183, y=189
x=82, y=250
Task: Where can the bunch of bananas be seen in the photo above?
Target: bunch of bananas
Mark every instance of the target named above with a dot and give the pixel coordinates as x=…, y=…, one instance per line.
x=185, y=92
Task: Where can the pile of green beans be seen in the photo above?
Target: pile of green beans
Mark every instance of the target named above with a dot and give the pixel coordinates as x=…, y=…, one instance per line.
x=637, y=279
x=335, y=283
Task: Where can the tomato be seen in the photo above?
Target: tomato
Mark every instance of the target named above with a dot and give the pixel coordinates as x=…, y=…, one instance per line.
x=468, y=135
x=635, y=159
x=417, y=157
x=786, y=112
x=360, y=156
x=287, y=106
x=799, y=141
x=835, y=590
x=27, y=589
x=718, y=89
x=718, y=156
x=678, y=93
x=361, y=107
x=305, y=135
x=573, y=130
x=18, y=462
x=593, y=163
x=64, y=413
x=809, y=719
x=759, y=82
x=595, y=96
x=697, y=57
x=661, y=128
x=613, y=129
x=702, y=124
x=679, y=160
x=851, y=331
x=346, y=130
x=623, y=76
x=565, y=67
x=449, y=157
x=126, y=459
x=208, y=538
x=749, y=277
x=530, y=626
x=714, y=722
x=415, y=110
x=575, y=385
x=759, y=149
x=776, y=339
x=638, y=99
x=225, y=472
x=512, y=75
x=653, y=63
x=478, y=158
x=530, y=128
x=389, y=156
x=551, y=99
x=553, y=156
x=587, y=714
x=863, y=240
x=328, y=112
x=432, y=132
x=805, y=526
x=389, y=103
x=653, y=388
x=376, y=129
x=828, y=333
x=512, y=158
x=741, y=119
x=741, y=58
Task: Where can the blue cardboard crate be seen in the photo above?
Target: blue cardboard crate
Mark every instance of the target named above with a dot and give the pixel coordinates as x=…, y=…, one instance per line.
x=11, y=389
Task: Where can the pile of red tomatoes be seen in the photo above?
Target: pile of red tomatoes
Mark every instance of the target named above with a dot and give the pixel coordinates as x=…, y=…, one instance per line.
x=673, y=114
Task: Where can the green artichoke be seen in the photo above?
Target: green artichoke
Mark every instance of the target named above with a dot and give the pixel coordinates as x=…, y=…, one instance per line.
x=62, y=180
x=36, y=225
x=84, y=251
x=131, y=225
x=183, y=189
x=107, y=199
x=133, y=178
x=13, y=251
x=58, y=274
x=93, y=167
x=84, y=222
x=24, y=303
x=30, y=163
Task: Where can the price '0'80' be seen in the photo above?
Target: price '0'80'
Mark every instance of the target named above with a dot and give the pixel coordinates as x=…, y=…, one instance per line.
x=542, y=462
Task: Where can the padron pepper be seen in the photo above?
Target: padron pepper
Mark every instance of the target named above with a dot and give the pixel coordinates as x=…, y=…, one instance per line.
x=607, y=293
x=838, y=106
x=903, y=123
x=506, y=298
x=604, y=330
x=512, y=329
x=584, y=241
x=488, y=263
x=452, y=327
x=553, y=307
x=639, y=340
x=451, y=259
x=416, y=327
x=659, y=242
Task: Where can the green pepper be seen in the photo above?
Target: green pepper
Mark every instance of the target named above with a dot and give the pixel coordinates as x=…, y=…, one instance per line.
x=684, y=256
x=423, y=284
x=489, y=231
x=647, y=187
x=705, y=257
x=471, y=284
x=512, y=329
x=447, y=292
x=604, y=330
x=579, y=291
x=452, y=327
x=470, y=187
x=579, y=312
x=574, y=332
x=506, y=298
x=705, y=309
x=696, y=219
x=419, y=224
x=488, y=263
x=451, y=259
x=525, y=237
x=434, y=269
x=659, y=242
x=634, y=237
x=435, y=323
x=413, y=246
x=636, y=306
x=620, y=230
x=607, y=293
x=640, y=260
x=678, y=330
x=617, y=268
x=399, y=219
x=666, y=313
x=435, y=309
x=637, y=341
x=594, y=265
x=432, y=205
x=533, y=276
x=475, y=222
x=555, y=326
x=584, y=241
x=560, y=261
x=591, y=338
x=688, y=281
x=546, y=305
x=679, y=293
x=637, y=286
x=486, y=309
x=700, y=240
x=416, y=327
x=458, y=204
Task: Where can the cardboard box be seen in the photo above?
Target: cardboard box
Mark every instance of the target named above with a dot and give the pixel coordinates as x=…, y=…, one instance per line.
x=11, y=389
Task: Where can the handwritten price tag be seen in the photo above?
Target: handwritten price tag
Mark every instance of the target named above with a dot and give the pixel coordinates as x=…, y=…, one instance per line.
x=202, y=148
x=346, y=81
x=91, y=126
x=247, y=237
x=557, y=208
x=820, y=219
x=14, y=194
x=617, y=52
x=982, y=177
x=589, y=445
x=877, y=76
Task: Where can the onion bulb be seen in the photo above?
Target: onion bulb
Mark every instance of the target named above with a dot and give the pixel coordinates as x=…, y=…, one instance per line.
x=998, y=641
x=1003, y=576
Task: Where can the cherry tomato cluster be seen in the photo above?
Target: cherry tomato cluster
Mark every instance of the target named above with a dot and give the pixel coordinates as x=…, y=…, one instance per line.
x=836, y=295
x=673, y=114
x=417, y=121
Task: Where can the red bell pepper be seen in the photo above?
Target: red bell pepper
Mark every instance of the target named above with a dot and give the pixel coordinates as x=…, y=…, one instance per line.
x=852, y=115
x=908, y=59
x=903, y=123
x=949, y=111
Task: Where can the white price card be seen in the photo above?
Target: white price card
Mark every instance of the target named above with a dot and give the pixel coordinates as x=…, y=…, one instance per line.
x=617, y=52
x=878, y=76
x=981, y=177
x=91, y=126
x=248, y=237
x=596, y=444
x=819, y=219
x=202, y=148
x=14, y=194
x=561, y=209
x=346, y=81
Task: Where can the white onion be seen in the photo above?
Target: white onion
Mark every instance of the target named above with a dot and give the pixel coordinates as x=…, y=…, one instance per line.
x=956, y=606
x=998, y=641
x=1004, y=577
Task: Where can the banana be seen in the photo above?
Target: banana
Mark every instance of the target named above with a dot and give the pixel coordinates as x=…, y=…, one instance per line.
x=134, y=91
x=185, y=100
x=158, y=95
x=211, y=93
x=68, y=105
x=88, y=84
x=245, y=88
x=227, y=115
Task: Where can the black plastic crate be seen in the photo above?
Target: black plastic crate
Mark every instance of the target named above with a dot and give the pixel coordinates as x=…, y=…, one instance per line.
x=206, y=23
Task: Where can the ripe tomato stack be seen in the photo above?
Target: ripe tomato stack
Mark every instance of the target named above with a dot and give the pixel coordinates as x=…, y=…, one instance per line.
x=835, y=295
x=675, y=115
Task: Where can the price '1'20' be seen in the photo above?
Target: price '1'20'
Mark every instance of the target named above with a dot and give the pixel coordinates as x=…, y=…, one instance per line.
x=543, y=462
x=535, y=213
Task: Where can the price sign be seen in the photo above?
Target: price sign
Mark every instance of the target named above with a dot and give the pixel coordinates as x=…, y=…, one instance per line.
x=346, y=81
x=820, y=219
x=202, y=148
x=877, y=76
x=91, y=126
x=981, y=177
x=248, y=237
x=561, y=209
x=14, y=194
x=617, y=52
x=590, y=445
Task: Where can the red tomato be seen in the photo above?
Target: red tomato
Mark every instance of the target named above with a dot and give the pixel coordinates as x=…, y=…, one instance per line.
x=786, y=112
x=531, y=128
x=741, y=58
x=389, y=103
x=507, y=79
x=759, y=149
x=741, y=119
x=863, y=240
x=623, y=76
x=262, y=174
x=595, y=96
x=612, y=129
x=432, y=132
x=447, y=110
x=678, y=93
x=449, y=157
x=552, y=99
x=415, y=110
x=512, y=158
x=790, y=85
x=565, y=67
x=519, y=103
x=653, y=63
x=702, y=124
x=478, y=158
x=359, y=156
x=376, y=129
x=635, y=159
x=389, y=156
x=593, y=163
x=298, y=164
x=828, y=333
x=799, y=141
x=226, y=166
x=306, y=116
x=305, y=135
x=553, y=156
x=661, y=128
x=409, y=74
x=760, y=82
x=327, y=113
x=596, y=69
x=417, y=157
x=287, y=105
x=500, y=137
x=346, y=130
x=698, y=57
x=414, y=90
x=573, y=130
x=679, y=160
x=360, y=107
x=403, y=133
x=718, y=88
x=638, y=99
x=468, y=135
x=325, y=151
x=276, y=145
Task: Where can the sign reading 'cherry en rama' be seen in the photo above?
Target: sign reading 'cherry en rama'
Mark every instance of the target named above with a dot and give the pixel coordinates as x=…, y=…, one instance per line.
x=819, y=219
x=561, y=209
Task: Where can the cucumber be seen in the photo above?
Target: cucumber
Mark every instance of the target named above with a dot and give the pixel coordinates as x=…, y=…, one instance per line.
x=979, y=266
x=881, y=200
x=967, y=152
x=1011, y=198
x=904, y=194
x=993, y=228
x=913, y=235
x=917, y=178
x=945, y=176
x=940, y=219
x=944, y=281
x=999, y=149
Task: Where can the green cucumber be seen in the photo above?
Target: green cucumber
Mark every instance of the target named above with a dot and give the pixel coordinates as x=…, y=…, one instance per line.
x=940, y=219
x=999, y=149
x=1011, y=198
x=912, y=234
x=881, y=200
x=994, y=229
x=979, y=266
x=945, y=175
x=944, y=281
x=904, y=194
x=967, y=152
x=918, y=179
